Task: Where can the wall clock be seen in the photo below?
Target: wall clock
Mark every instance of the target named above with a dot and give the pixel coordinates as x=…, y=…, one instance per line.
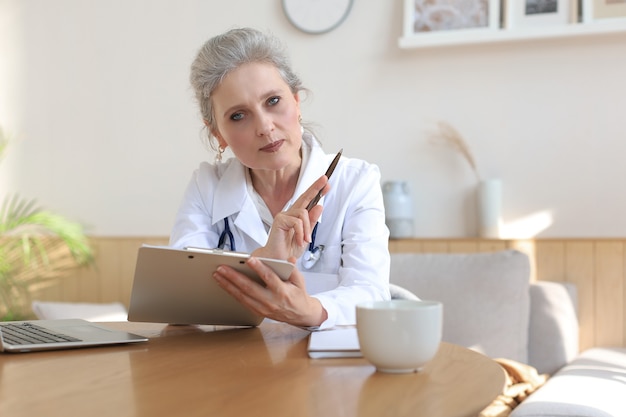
x=316, y=16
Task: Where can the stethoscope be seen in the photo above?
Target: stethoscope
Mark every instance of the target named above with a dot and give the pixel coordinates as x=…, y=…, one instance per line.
x=309, y=259
x=226, y=233
x=314, y=253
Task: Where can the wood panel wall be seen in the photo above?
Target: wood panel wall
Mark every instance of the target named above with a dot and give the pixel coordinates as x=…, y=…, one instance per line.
x=596, y=266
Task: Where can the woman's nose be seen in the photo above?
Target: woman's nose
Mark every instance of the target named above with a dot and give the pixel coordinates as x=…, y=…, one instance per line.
x=265, y=125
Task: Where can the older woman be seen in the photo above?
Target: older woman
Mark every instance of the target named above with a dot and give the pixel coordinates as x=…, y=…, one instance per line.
x=257, y=201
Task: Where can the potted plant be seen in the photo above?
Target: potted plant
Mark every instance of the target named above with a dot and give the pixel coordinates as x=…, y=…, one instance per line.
x=36, y=247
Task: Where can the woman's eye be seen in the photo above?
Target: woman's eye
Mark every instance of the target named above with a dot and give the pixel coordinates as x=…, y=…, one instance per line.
x=236, y=116
x=273, y=101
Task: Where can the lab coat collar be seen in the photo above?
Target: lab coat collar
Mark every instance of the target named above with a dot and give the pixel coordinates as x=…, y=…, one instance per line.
x=232, y=199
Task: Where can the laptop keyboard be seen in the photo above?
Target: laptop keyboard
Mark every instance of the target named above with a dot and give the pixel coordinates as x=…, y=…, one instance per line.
x=28, y=333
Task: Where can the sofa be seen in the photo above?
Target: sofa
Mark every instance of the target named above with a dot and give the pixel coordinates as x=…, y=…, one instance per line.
x=491, y=306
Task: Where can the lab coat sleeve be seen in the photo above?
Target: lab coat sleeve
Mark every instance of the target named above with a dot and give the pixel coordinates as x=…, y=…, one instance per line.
x=358, y=216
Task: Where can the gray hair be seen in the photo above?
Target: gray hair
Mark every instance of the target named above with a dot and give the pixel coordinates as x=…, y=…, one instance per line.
x=226, y=52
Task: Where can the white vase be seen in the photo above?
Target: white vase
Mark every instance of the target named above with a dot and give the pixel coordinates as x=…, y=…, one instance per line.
x=398, y=209
x=490, y=208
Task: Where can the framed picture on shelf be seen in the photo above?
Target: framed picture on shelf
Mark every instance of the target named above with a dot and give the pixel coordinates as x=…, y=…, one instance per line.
x=603, y=10
x=443, y=17
x=529, y=13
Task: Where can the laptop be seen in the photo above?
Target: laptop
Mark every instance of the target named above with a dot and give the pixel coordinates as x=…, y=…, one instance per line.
x=37, y=335
x=176, y=286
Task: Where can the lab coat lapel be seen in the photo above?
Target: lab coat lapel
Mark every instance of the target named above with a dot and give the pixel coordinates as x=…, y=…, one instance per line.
x=317, y=165
x=249, y=222
x=232, y=199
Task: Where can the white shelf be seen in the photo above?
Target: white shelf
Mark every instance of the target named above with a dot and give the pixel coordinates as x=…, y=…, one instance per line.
x=478, y=36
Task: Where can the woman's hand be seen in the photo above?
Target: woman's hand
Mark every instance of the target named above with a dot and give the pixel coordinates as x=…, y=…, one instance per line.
x=291, y=231
x=285, y=301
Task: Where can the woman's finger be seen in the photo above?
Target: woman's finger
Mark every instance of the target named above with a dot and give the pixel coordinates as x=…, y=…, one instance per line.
x=242, y=288
x=321, y=185
x=268, y=276
x=294, y=223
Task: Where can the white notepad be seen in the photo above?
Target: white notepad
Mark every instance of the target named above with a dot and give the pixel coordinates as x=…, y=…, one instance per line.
x=340, y=342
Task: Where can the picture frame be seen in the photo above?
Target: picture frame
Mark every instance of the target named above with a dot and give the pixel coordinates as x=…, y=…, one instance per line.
x=428, y=18
x=603, y=10
x=533, y=13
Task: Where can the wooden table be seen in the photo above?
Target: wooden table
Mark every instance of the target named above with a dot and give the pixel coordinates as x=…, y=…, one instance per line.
x=265, y=371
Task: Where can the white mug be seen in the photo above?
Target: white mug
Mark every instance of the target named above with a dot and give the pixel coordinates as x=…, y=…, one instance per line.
x=399, y=336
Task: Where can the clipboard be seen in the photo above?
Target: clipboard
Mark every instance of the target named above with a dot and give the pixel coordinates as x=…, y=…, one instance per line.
x=176, y=286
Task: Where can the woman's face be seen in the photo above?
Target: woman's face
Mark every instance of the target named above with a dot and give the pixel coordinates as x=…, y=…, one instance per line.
x=257, y=116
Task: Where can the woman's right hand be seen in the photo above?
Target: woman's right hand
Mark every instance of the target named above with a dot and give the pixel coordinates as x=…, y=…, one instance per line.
x=291, y=231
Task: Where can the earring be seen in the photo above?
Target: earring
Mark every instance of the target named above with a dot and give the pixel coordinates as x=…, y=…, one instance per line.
x=218, y=157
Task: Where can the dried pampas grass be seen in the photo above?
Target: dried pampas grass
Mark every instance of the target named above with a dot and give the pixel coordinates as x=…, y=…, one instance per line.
x=449, y=136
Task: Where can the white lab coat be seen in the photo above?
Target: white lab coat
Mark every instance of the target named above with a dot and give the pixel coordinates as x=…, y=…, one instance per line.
x=354, y=265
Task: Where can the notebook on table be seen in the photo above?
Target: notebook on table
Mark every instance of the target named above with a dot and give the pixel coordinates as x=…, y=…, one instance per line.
x=341, y=342
x=36, y=335
x=176, y=286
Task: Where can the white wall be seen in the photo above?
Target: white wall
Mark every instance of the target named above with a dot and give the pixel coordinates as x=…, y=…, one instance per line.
x=107, y=132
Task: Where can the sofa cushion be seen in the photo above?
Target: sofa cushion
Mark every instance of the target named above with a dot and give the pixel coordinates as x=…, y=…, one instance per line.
x=49, y=310
x=553, y=334
x=485, y=297
x=592, y=385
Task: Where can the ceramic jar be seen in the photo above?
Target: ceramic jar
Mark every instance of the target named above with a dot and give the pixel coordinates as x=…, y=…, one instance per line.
x=490, y=208
x=398, y=209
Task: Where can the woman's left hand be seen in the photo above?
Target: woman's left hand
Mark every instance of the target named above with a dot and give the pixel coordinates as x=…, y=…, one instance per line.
x=285, y=301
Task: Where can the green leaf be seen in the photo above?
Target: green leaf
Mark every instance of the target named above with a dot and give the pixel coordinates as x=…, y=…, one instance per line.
x=35, y=245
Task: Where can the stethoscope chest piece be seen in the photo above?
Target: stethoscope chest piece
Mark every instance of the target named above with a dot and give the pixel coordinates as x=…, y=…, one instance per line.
x=311, y=256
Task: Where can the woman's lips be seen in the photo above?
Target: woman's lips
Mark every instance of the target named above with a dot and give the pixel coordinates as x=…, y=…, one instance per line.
x=272, y=147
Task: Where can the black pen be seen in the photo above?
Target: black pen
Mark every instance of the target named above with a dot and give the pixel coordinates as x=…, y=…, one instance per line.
x=328, y=173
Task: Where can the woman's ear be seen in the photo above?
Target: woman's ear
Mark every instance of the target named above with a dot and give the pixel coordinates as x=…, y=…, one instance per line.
x=296, y=97
x=220, y=140
x=216, y=134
